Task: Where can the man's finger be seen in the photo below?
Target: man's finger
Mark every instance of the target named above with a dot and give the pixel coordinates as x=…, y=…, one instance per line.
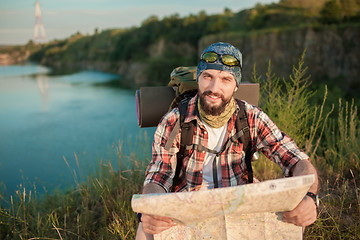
x=156, y=224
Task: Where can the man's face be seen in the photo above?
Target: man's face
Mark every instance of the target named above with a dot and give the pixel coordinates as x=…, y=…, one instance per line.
x=215, y=90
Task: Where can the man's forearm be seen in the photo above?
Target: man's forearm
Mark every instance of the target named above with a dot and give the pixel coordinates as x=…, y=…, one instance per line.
x=305, y=167
x=305, y=212
x=153, y=188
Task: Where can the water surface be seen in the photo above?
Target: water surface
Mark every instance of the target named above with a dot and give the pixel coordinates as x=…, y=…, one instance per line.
x=44, y=119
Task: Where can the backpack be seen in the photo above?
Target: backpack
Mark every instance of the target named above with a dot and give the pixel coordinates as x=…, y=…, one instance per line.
x=183, y=80
x=153, y=102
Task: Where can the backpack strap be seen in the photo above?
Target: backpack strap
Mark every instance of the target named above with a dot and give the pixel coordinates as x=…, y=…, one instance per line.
x=186, y=138
x=243, y=132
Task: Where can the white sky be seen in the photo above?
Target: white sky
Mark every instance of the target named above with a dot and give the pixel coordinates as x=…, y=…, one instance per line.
x=62, y=18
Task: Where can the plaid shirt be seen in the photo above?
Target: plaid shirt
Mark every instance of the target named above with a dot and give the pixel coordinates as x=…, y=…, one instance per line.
x=265, y=136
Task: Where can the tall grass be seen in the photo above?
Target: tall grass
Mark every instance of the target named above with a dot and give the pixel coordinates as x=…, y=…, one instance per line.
x=99, y=207
x=339, y=168
x=331, y=141
x=341, y=141
x=286, y=101
x=339, y=214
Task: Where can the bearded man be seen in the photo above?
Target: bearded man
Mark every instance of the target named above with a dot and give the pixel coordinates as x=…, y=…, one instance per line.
x=214, y=113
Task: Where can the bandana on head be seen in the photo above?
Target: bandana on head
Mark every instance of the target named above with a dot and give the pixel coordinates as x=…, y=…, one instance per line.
x=222, y=48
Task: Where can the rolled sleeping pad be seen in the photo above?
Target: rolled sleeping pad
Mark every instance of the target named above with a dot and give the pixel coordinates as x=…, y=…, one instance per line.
x=153, y=102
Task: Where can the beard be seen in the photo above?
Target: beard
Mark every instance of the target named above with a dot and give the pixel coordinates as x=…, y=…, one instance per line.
x=213, y=110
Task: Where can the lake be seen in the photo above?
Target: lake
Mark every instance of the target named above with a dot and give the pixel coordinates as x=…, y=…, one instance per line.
x=46, y=118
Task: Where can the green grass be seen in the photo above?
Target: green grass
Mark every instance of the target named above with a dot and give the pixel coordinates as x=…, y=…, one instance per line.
x=331, y=141
x=98, y=208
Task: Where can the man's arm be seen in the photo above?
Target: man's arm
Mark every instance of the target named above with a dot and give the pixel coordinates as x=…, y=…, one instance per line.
x=159, y=174
x=281, y=149
x=151, y=224
x=305, y=213
x=305, y=167
x=153, y=188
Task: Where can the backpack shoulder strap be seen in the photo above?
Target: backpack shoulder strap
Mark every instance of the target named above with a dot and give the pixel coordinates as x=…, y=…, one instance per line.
x=242, y=127
x=187, y=128
x=186, y=134
x=187, y=131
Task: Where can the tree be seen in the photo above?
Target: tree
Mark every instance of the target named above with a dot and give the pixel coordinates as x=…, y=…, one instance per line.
x=228, y=12
x=331, y=12
x=152, y=18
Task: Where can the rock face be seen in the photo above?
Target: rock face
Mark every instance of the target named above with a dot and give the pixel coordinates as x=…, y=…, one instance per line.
x=137, y=71
x=330, y=53
x=133, y=71
x=14, y=58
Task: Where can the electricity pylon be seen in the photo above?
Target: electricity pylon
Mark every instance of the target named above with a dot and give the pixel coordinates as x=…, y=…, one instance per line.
x=39, y=30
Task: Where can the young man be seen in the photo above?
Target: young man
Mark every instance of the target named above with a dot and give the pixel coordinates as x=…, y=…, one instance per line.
x=214, y=110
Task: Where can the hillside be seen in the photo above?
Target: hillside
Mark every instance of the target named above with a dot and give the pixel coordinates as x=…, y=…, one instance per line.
x=328, y=30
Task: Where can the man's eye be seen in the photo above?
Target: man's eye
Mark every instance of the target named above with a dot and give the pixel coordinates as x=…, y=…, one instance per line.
x=207, y=76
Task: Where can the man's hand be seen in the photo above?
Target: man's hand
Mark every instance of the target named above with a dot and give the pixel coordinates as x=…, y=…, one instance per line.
x=304, y=214
x=155, y=224
x=151, y=224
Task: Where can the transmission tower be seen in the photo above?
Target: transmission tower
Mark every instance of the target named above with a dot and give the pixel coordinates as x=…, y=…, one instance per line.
x=39, y=30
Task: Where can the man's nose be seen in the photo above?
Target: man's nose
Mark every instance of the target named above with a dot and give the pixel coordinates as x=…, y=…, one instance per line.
x=214, y=85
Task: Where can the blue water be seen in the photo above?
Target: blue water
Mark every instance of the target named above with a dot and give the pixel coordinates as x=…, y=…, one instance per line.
x=45, y=118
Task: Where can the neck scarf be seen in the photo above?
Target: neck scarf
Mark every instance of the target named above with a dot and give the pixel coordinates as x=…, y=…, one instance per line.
x=222, y=119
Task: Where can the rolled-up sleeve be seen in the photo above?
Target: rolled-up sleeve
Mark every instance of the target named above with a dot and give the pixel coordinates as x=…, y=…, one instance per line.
x=161, y=169
x=275, y=144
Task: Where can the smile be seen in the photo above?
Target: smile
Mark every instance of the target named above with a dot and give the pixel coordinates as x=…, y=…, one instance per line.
x=213, y=97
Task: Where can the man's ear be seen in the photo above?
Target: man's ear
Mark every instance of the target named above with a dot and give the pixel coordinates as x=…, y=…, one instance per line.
x=236, y=88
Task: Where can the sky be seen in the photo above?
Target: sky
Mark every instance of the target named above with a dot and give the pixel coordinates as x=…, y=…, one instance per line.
x=62, y=18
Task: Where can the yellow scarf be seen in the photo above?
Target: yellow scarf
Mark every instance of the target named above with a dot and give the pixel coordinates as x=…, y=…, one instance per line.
x=222, y=119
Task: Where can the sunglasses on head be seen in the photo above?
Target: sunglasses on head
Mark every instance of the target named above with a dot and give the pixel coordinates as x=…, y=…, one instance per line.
x=226, y=59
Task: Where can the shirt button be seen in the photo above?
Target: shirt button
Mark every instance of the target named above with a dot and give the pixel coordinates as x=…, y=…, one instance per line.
x=205, y=132
x=201, y=172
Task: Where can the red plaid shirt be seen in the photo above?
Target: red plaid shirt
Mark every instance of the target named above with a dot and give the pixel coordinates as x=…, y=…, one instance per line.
x=265, y=135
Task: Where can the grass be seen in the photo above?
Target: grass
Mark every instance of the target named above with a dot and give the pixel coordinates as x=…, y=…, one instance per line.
x=331, y=141
x=339, y=211
x=99, y=207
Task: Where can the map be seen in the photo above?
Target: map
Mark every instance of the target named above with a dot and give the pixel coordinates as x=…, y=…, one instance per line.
x=251, y=211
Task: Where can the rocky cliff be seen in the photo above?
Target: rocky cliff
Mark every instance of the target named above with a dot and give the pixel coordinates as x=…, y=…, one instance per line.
x=331, y=53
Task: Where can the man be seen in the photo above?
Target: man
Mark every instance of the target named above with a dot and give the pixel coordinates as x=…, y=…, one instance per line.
x=214, y=110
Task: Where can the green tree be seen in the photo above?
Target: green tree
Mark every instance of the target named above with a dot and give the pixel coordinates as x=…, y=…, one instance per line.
x=331, y=12
x=228, y=12
x=152, y=18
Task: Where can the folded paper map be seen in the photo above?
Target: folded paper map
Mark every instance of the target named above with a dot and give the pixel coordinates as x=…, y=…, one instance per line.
x=251, y=211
